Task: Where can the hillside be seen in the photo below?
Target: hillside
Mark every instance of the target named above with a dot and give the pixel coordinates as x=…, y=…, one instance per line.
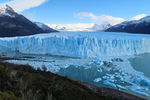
x=20, y=82
x=13, y=24
x=141, y=26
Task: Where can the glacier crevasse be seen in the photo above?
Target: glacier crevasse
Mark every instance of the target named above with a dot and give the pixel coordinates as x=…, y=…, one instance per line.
x=82, y=45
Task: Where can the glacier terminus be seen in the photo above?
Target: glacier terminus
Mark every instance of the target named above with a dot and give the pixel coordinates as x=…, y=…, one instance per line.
x=79, y=44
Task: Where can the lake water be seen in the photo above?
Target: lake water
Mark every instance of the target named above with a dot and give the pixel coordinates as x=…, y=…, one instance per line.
x=141, y=63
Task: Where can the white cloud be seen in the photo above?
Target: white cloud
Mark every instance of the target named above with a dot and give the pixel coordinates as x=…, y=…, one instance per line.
x=137, y=17
x=100, y=19
x=106, y=18
x=21, y=5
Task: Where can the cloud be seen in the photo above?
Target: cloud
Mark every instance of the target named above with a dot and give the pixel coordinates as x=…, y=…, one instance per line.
x=137, y=17
x=100, y=19
x=106, y=18
x=21, y=5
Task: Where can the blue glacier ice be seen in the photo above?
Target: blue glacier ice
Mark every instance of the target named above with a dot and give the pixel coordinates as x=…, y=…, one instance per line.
x=97, y=49
x=79, y=44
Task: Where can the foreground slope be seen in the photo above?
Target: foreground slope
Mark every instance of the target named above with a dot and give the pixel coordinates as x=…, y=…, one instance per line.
x=20, y=82
x=13, y=24
x=136, y=26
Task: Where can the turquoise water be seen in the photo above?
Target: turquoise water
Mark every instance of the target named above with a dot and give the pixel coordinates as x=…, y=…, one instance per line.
x=141, y=63
x=83, y=74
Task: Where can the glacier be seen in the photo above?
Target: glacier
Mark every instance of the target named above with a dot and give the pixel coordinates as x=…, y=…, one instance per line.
x=79, y=44
x=102, y=58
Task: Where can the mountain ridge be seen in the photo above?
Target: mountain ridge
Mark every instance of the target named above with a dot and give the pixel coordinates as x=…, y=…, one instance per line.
x=13, y=24
x=141, y=26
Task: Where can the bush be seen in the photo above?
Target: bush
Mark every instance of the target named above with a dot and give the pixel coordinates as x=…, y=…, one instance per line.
x=8, y=96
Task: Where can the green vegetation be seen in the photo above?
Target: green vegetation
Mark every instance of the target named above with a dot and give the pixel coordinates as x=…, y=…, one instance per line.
x=8, y=96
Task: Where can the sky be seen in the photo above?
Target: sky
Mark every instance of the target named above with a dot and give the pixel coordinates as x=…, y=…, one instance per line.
x=80, y=11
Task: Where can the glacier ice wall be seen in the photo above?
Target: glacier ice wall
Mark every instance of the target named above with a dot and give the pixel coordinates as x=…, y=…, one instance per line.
x=84, y=45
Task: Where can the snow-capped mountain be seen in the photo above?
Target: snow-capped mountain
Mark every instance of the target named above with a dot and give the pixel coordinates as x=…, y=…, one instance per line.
x=13, y=24
x=45, y=27
x=79, y=27
x=7, y=11
x=134, y=26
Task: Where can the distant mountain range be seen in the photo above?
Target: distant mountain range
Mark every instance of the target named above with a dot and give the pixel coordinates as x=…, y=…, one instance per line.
x=135, y=26
x=45, y=27
x=13, y=24
x=79, y=27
